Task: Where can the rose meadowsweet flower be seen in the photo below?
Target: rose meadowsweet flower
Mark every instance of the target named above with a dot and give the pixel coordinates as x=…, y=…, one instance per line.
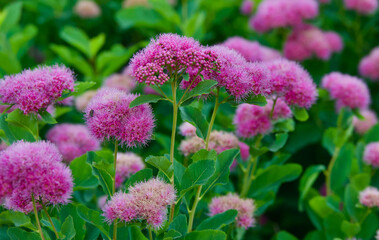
x=370, y=119
x=251, y=120
x=120, y=81
x=245, y=150
x=3, y=146
x=191, y=145
x=144, y=201
x=127, y=164
x=108, y=116
x=307, y=40
x=369, y=65
x=87, y=9
x=101, y=201
x=221, y=141
x=362, y=6
x=245, y=208
x=347, y=90
x=369, y=197
x=251, y=50
x=33, y=90
x=36, y=169
x=187, y=129
x=288, y=80
x=82, y=101
x=171, y=54
x=72, y=140
x=371, y=154
x=246, y=7
x=282, y=13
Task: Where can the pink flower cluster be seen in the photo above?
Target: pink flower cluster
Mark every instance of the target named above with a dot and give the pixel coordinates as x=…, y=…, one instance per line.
x=191, y=145
x=369, y=65
x=121, y=81
x=282, y=13
x=291, y=82
x=82, y=101
x=245, y=208
x=33, y=90
x=251, y=120
x=370, y=119
x=108, y=116
x=362, y=6
x=170, y=54
x=87, y=9
x=308, y=40
x=371, y=154
x=369, y=197
x=36, y=169
x=72, y=140
x=347, y=90
x=251, y=50
x=247, y=7
x=127, y=164
x=3, y=146
x=144, y=201
x=187, y=129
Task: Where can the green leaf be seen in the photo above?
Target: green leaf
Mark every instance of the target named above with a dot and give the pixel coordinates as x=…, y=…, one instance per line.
x=19, y=234
x=204, y=87
x=140, y=176
x=136, y=234
x=138, y=16
x=28, y=122
x=283, y=235
x=300, y=114
x=351, y=199
x=20, y=39
x=358, y=114
x=68, y=229
x=19, y=219
x=222, y=171
x=151, y=98
x=206, y=234
x=204, y=155
x=272, y=177
x=82, y=174
x=166, y=11
x=372, y=135
x=360, y=181
x=162, y=163
x=196, y=118
x=77, y=38
x=280, y=141
x=307, y=180
x=219, y=220
x=179, y=224
x=258, y=100
x=46, y=117
x=10, y=16
x=79, y=224
x=93, y=217
x=9, y=63
x=197, y=174
x=96, y=44
x=341, y=167
x=321, y=206
x=104, y=172
x=81, y=87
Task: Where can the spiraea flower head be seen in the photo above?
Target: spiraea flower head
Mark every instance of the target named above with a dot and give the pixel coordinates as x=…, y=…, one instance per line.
x=362, y=6
x=187, y=129
x=363, y=125
x=191, y=145
x=127, y=164
x=246, y=7
x=245, y=208
x=369, y=65
x=34, y=90
x=72, y=140
x=371, y=154
x=33, y=169
x=82, y=101
x=221, y=141
x=122, y=81
x=108, y=116
x=348, y=91
x=369, y=197
x=121, y=207
x=87, y=9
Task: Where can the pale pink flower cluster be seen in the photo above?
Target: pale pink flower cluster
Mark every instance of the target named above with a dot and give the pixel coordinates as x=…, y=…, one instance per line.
x=82, y=101
x=247, y=7
x=221, y=141
x=347, y=90
x=36, y=169
x=308, y=40
x=251, y=120
x=187, y=129
x=245, y=208
x=34, y=90
x=122, y=81
x=369, y=65
x=127, y=164
x=252, y=51
x=87, y=9
x=371, y=154
x=369, y=197
x=282, y=13
x=377, y=235
x=3, y=146
x=363, y=125
x=362, y=6
x=191, y=145
x=72, y=140
x=292, y=83
x=144, y=201
x=108, y=116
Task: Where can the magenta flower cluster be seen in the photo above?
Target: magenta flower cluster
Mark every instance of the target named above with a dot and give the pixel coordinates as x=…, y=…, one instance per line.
x=363, y=125
x=72, y=140
x=348, y=91
x=362, y=6
x=245, y=208
x=251, y=120
x=171, y=54
x=33, y=169
x=108, y=116
x=308, y=40
x=282, y=13
x=145, y=201
x=369, y=197
x=127, y=164
x=371, y=154
x=34, y=90
x=369, y=65
x=251, y=50
x=247, y=7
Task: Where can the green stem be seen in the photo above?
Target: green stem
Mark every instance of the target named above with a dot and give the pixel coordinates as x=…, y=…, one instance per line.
x=115, y=230
x=50, y=220
x=193, y=210
x=273, y=107
x=217, y=104
x=246, y=178
x=329, y=171
x=365, y=216
x=37, y=219
x=150, y=234
x=115, y=165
